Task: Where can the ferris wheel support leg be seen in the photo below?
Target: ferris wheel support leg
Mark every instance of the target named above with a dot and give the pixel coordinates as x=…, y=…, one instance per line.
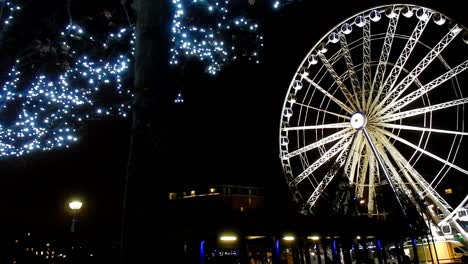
x=382, y=167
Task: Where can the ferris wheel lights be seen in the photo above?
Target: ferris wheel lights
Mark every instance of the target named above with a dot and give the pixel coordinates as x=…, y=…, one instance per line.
x=346, y=29
x=439, y=19
x=390, y=12
x=333, y=37
x=456, y=29
x=358, y=120
x=359, y=21
x=321, y=151
x=375, y=15
x=312, y=59
x=303, y=72
x=465, y=37
x=407, y=12
x=422, y=14
x=322, y=48
x=297, y=85
x=292, y=98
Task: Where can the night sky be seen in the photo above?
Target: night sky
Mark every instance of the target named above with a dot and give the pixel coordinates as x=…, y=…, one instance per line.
x=226, y=132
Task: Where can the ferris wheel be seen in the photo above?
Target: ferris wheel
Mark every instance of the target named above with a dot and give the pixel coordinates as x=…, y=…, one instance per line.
x=379, y=100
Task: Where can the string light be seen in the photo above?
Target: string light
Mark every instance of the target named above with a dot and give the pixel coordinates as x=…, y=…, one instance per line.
x=45, y=113
x=179, y=99
x=213, y=36
x=9, y=9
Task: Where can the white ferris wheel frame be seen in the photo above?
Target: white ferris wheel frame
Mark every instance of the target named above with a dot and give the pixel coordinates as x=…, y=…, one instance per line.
x=371, y=112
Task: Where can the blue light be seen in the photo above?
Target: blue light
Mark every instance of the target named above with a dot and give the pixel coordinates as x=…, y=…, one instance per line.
x=335, y=251
x=202, y=41
x=202, y=252
x=379, y=245
x=52, y=107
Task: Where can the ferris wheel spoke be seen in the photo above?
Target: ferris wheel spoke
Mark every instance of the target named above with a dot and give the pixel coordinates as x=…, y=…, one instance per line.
x=427, y=109
x=381, y=67
x=389, y=83
x=395, y=154
x=388, y=168
x=371, y=193
x=416, y=187
x=327, y=126
x=340, y=160
x=404, y=141
x=333, y=137
x=339, y=82
x=366, y=63
x=362, y=172
x=327, y=94
x=322, y=160
x=355, y=151
x=392, y=108
x=424, y=188
x=422, y=65
x=350, y=66
x=323, y=111
x=422, y=129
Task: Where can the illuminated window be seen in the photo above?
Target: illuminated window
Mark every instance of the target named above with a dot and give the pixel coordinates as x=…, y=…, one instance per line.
x=172, y=196
x=448, y=191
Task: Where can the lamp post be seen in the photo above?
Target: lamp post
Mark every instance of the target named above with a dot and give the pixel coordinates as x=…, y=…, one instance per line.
x=75, y=207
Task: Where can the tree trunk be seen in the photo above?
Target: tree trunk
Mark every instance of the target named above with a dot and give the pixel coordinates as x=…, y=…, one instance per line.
x=144, y=192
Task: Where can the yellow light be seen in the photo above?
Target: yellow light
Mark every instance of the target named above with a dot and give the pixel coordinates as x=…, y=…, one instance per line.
x=254, y=237
x=362, y=201
x=358, y=237
x=228, y=238
x=288, y=238
x=212, y=190
x=75, y=205
x=448, y=191
x=192, y=193
x=314, y=238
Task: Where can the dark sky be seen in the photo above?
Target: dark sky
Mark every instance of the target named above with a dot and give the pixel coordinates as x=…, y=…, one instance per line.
x=226, y=132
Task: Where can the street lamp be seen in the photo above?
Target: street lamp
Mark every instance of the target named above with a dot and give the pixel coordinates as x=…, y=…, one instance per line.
x=75, y=207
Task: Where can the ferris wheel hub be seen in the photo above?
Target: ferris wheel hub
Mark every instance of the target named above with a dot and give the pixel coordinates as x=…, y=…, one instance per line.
x=358, y=120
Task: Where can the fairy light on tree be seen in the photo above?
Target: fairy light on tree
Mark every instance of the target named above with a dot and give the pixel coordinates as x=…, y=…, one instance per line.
x=207, y=31
x=42, y=110
x=44, y=113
